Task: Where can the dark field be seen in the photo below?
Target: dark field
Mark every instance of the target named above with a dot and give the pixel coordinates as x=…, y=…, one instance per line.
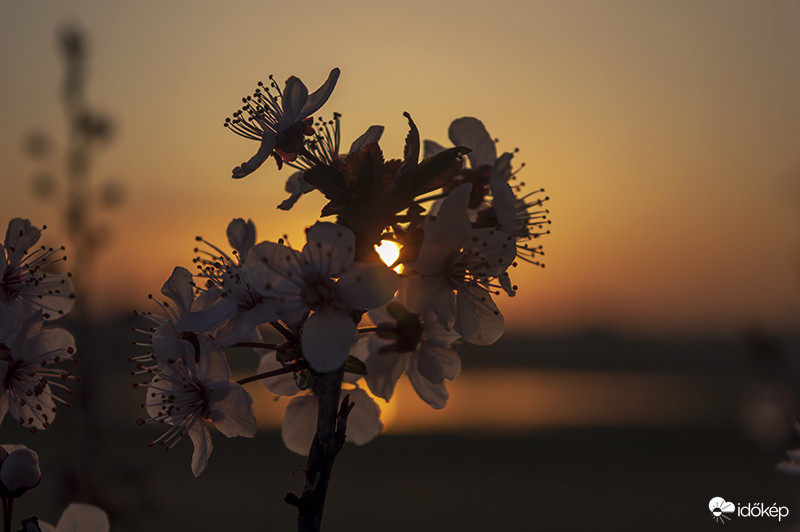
x=581, y=478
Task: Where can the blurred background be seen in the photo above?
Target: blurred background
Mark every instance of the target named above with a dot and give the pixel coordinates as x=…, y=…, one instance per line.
x=651, y=366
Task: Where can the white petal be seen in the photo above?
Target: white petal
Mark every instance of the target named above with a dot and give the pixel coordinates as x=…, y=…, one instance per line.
x=318, y=98
x=384, y=369
x=180, y=289
x=299, y=424
x=364, y=421
x=241, y=236
x=82, y=518
x=20, y=236
x=212, y=367
x=440, y=298
x=503, y=201
x=202, y=447
x=478, y=319
x=452, y=220
x=433, y=393
x=326, y=339
x=372, y=134
x=470, y=132
x=264, y=151
x=284, y=384
x=366, y=286
x=233, y=415
x=209, y=319
x=295, y=96
x=330, y=248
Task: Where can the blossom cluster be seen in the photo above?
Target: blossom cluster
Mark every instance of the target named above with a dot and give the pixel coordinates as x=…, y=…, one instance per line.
x=458, y=216
x=30, y=297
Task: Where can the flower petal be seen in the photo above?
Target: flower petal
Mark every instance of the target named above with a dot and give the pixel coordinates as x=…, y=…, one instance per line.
x=326, y=339
x=295, y=97
x=318, y=98
x=452, y=220
x=367, y=286
x=284, y=384
x=268, y=141
x=233, y=415
x=180, y=289
x=299, y=424
x=478, y=319
x=372, y=134
x=330, y=248
x=83, y=517
x=384, y=369
x=20, y=236
x=364, y=421
x=202, y=447
x=470, y=132
x=241, y=236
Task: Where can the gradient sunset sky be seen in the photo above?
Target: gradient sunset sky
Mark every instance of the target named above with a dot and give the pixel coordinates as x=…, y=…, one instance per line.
x=667, y=135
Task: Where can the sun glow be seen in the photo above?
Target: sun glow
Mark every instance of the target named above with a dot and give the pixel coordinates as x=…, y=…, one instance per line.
x=389, y=252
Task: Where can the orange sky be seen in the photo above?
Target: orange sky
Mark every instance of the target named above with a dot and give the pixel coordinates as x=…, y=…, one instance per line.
x=666, y=134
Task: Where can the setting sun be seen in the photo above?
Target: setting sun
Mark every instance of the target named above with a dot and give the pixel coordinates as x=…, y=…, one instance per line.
x=389, y=252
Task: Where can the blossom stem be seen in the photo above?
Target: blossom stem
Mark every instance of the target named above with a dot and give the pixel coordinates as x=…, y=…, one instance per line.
x=328, y=441
x=8, y=509
x=284, y=331
x=297, y=366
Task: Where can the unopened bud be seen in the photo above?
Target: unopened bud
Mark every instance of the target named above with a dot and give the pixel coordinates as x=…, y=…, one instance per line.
x=19, y=472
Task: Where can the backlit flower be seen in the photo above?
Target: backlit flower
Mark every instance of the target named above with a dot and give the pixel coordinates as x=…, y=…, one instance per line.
x=278, y=121
x=323, y=280
x=26, y=377
x=240, y=305
x=299, y=422
x=24, y=286
x=411, y=343
x=188, y=393
x=459, y=268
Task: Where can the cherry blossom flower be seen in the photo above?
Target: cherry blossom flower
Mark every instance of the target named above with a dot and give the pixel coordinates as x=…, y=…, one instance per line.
x=416, y=344
x=79, y=517
x=24, y=286
x=26, y=377
x=300, y=420
x=323, y=149
x=470, y=132
x=190, y=392
x=457, y=265
x=240, y=305
x=169, y=344
x=323, y=280
x=520, y=214
x=278, y=121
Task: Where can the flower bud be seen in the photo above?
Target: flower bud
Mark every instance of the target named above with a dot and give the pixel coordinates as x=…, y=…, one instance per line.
x=19, y=472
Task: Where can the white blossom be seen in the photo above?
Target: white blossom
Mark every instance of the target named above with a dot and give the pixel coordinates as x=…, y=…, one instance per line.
x=323, y=280
x=26, y=377
x=24, y=285
x=278, y=121
x=458, y=267
x=188, y=393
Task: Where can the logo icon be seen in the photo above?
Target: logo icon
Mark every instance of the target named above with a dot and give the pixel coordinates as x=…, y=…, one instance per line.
x=719, y=507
